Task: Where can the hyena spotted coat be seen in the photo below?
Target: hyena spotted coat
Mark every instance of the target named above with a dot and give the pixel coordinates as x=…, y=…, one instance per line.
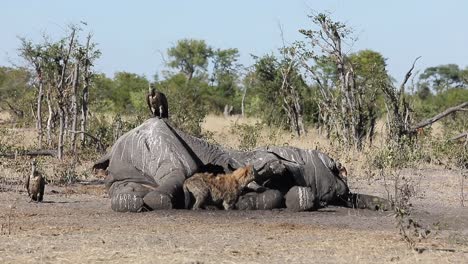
x=208, y=189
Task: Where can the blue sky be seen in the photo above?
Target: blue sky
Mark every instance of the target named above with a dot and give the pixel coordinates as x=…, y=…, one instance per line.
x=131, y=34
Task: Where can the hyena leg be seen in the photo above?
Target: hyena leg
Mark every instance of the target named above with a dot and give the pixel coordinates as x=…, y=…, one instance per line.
x=200, y=199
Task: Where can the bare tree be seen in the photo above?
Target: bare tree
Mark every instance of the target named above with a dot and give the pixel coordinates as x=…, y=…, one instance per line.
x=63, y=70
x=292, y=104
x=398, y=114
x=50, y=116
x=342, y=105
x=85, y=93
x=74, y=105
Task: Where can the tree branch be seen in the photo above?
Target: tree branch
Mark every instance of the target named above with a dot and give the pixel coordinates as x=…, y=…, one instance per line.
x=438, y=117
x=407, y=76
x=33, y=153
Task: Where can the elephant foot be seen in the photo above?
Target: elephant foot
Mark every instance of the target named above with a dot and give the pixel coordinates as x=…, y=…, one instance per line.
x=127, y=202
x=266, y=200
x=301, y=199
x=157, y=200
x=128, y=197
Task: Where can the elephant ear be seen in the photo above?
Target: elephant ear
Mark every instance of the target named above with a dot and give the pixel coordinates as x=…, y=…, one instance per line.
x=103, y=162
x=232, y=165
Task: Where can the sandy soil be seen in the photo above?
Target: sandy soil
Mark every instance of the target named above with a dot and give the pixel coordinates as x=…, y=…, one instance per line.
x=75, y=224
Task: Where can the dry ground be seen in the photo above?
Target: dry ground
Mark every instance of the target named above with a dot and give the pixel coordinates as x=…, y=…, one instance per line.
x=76, y=225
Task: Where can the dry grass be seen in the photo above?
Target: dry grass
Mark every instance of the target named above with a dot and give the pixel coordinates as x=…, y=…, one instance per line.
x=356, y=162
x=221, y=128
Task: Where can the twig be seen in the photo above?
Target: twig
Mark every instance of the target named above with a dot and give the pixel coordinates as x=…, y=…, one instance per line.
x=459, y=136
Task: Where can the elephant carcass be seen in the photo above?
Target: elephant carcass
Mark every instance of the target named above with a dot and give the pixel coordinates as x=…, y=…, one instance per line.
x=148, y=162
x=148, y=165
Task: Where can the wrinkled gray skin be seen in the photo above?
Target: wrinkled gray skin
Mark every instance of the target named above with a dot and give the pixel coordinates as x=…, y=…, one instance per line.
x=148, y=165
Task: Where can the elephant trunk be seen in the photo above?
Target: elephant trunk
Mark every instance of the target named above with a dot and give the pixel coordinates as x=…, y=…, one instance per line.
x=364, y=201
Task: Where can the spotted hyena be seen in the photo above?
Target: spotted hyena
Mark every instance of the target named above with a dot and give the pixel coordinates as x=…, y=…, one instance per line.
x=210, y=189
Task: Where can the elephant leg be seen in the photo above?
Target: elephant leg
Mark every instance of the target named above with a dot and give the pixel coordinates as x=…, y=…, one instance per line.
x=266, y=200
x=301, y=199
x=163, y=197
x=228, y=204
x=128, y=196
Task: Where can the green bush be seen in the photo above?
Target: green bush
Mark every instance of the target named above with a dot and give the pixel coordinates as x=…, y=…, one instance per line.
x=186, y=107
x=249, y=135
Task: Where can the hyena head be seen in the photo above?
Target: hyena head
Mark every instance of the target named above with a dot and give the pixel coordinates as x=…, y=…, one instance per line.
x=244, y=175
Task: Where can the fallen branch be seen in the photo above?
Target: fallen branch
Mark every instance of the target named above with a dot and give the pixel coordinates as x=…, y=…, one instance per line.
x=459, y=136
x=33, y=153
x=438, y=117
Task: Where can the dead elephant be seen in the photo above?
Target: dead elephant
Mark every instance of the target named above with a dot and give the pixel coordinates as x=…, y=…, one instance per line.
x=148, y=165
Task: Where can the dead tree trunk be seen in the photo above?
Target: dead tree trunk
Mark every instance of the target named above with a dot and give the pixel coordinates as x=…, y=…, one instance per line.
x=398, y=120
x=40, y=95
x=61, y=132
x=227, y=110
x=85, y=94
x=74, y=106
x=291, y=98
x=244, y=93
x=61, y=94
x=49, y=118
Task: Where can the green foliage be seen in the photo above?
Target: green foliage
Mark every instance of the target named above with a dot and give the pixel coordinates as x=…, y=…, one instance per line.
x=126, y=84
x=439, y=88
x=264, y=92
x=225, y=71
x=443, y=77
x=186, y=108
x=190, y=56
x=249, y=135
x=266, y=98
x=348, y=85
x=101, y=94
x=401, y=154
x=125, y=93
x=7, y=142
x=433, y=104
x=16, y=95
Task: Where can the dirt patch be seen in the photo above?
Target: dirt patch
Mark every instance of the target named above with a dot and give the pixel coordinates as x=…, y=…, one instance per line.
x=76, y=224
